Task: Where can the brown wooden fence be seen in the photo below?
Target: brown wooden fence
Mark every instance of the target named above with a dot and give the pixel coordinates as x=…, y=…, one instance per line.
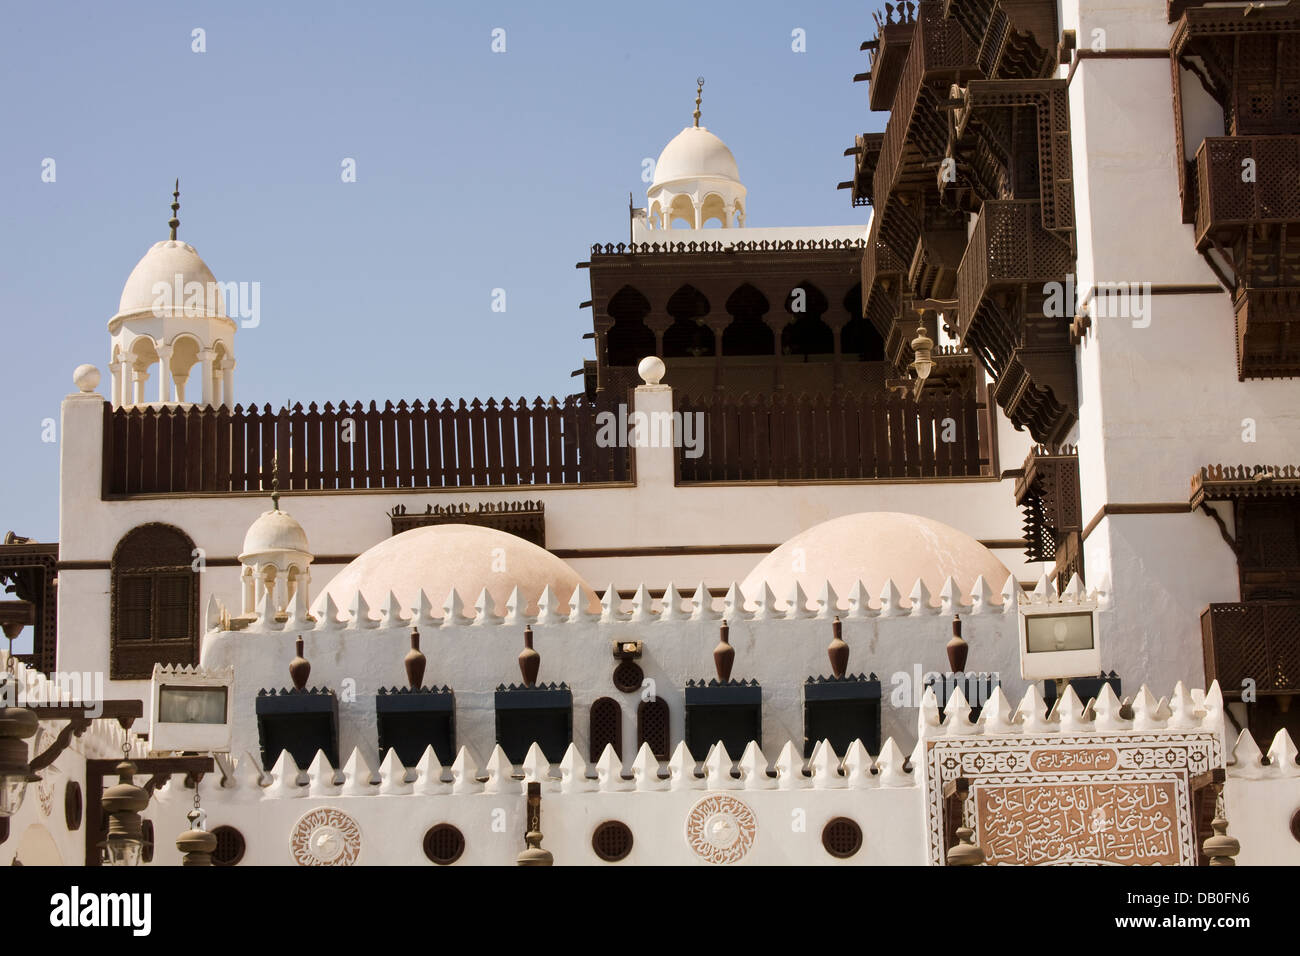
x=853, y=437
x=186, y=450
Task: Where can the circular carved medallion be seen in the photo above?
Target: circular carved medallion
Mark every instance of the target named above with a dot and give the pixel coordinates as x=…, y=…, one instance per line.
x=325, y=837
x=721, y=829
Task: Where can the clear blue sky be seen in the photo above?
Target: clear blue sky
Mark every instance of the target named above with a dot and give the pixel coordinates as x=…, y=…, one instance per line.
x=476, y=170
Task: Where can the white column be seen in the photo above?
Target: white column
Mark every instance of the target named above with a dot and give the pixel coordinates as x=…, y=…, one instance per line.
x=228, y=383
x=699, y=212
x=141, y=376
x=115, y=368
x=206, y=356
x=164, y=373
x=249, y=590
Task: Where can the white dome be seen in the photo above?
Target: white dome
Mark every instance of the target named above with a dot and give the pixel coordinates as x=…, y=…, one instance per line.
x=695, y=153
x=274, y=531
x=467, y=557
x=161, y=264
x=872, y=546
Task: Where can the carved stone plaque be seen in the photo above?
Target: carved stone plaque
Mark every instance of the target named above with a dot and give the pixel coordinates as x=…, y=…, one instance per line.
x=1120, y=799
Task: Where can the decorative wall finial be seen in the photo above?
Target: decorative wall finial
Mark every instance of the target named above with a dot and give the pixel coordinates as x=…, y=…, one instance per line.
x=275, y=492
x=414, y=661
x=699, y=91
x=176, y=206
x=299, y=668
x=838, y=650
x=958, y=649
x=529, y=660
x=724, y=655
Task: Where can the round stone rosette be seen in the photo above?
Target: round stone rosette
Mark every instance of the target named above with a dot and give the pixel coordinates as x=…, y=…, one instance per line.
x=325, y=837
x=721, y=829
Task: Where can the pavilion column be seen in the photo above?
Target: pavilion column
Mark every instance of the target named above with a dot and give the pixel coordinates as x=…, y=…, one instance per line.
x=228, y=383
x=206, y=356
x=141, y=376
x=658, y=323
x=117, y=369
x=164, y=373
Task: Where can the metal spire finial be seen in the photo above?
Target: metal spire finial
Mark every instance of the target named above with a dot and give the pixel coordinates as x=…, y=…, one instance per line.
x=275, y=493
x=699, y=90
x=176, y=205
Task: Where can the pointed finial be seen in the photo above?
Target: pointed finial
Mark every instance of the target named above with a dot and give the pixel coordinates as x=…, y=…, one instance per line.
x=699, y=91
x=275, y=494
x=176, y=206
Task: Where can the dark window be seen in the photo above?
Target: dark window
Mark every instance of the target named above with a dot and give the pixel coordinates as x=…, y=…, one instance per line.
x=606, y=727
x=411, y=721
x=840, y=711
x=612, y=841
x=155, y=602
x=747, y=334
x=444, y=844
x=528, y=715
x=630, y=339
x=731, y=713
x=652, y=726
x=301, y=722
x=1268, y=531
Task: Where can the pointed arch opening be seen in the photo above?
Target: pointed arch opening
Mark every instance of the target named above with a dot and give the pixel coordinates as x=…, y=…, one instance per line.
x=747, y=334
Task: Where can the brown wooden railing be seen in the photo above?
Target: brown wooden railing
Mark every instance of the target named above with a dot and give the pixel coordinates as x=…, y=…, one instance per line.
x=1252, y=640
x=827, y=438
x=187, y=450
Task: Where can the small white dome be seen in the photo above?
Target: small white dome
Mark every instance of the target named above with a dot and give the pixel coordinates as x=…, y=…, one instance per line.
x=162, y=264
x=274, y=531
x=872, y=546
x=467, y=557
x=695, y=153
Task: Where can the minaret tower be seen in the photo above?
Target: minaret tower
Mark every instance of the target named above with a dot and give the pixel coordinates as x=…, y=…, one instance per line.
x=171, y=324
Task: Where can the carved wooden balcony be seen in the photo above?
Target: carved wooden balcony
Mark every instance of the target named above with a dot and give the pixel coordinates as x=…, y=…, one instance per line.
x=890, y=52
x=866, y=153
x=882, y=280
x=1255, y=641
x=1015, y=39
x=917, y=132
x=1048, y=493
x=1247, y=212
x=1002, y=316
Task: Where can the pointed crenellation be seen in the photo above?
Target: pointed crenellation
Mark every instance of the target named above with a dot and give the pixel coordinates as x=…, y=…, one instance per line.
x=1182, y=712
x=390, y=615
x=981, y=597
x=765, y=604
x=359, y=618
x=796, y=605
x=891, y=600
x=643, y=611
x=392, y=775
x=358, y=778
x=919, y=600
x=422, y=611
x=1146, y=711
x=928, y=714
x=537, y=769
x=753, y=769
x=551, y=609
x=516, y=608
x=1031, y=715
x=611, y=606
x=453, y=610
x=1069, y=712
x=1074, y=592
x=266, y=620
x=1282, y=755
x=327, y=618
x=573, y=772
x=859, y=602
x=285, y=779
x=826, y=769
x=322, y=781
x=857, y=767
x=214, y=615
x=1247, y=759
x=609, y=772
x=717, y=769
x=645, y=770
x=733, y=605
x=428, y=774
x=891, y=766
x=485, y=610
x=500, y=773
x=789, y=768
x=580, y=607
x=248, y=778
x=681, y=770
x=702, y=604
x=1107, y=712
x=464, y=773
x=956, y=714
x=950, y=597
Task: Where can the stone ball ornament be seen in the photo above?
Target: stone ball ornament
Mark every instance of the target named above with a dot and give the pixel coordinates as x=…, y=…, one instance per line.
x=651, y=369
x=325, y=837
x=721, y=829
x=86, y=378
